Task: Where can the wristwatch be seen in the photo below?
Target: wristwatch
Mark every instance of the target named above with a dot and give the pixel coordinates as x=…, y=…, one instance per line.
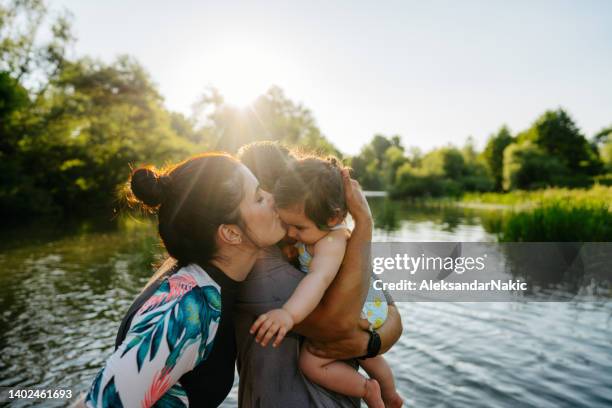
x=374, y=345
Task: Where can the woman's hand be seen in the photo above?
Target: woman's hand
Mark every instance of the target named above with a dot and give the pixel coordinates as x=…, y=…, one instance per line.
x=276, y=322
x=355, y=200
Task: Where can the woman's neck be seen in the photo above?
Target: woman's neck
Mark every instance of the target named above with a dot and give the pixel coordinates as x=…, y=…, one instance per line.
x=236, y=262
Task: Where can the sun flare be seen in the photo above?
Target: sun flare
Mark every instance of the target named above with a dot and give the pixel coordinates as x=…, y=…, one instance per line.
x=241, y=74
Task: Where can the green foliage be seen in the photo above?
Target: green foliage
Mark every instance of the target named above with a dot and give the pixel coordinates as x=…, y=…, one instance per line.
x=596, y=194
x=445, y=162
x=603, y=141
x=552, y=214
x=604, y=180
x=376, y=165
x=527, y=166
x=71, y=129
x=559, y=220
x=447, y=171
x=272, y=116
x=13, y=99
x=393, y=159
x=556, y=134
x=415, y=182
x=28, y=61
x=493, y=154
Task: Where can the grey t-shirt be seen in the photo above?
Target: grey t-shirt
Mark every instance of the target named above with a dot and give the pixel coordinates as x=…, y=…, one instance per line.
x=270, y=377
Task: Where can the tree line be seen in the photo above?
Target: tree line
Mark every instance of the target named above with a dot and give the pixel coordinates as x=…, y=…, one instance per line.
x=71, y=127
x=552, y=152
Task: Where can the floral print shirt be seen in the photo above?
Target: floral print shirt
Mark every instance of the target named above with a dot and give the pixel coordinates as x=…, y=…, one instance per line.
x=170, y=334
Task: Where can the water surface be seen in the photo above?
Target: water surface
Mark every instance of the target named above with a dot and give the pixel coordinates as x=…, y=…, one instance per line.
x=64, y=289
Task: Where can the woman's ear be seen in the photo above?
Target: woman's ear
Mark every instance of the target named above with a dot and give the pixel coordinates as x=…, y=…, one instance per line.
x=230, y=234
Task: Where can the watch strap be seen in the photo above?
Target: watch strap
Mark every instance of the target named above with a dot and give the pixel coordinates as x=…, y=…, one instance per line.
x=374, y=345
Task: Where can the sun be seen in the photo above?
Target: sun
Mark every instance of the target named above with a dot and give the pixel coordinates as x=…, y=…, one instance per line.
x=241, y=74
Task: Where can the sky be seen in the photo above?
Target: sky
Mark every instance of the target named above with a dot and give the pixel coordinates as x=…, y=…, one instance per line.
x=433, y=72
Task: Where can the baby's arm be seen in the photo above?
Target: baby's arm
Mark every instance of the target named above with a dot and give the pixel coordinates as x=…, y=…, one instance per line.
x=328, y=255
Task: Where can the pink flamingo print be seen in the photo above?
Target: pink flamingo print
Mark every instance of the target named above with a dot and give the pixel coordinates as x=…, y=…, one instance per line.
x=178, y=286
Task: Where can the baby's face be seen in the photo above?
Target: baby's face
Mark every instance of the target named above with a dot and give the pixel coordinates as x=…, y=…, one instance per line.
x=300, y=227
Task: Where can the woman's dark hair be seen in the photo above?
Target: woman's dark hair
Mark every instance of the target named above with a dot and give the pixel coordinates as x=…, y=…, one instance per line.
x=267, y=160
x=192, y=199
x=317, y=184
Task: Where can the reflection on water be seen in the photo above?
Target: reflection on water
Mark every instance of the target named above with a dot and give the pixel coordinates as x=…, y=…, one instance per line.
x=63, y=291
x=398, y=221
x=62, y=294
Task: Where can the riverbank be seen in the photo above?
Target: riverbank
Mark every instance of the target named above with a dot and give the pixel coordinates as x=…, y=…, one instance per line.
x=598, y=194
x=554, y=214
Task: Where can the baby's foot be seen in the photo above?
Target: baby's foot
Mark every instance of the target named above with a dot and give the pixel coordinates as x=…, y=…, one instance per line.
x=372, y=394
x=394, y=400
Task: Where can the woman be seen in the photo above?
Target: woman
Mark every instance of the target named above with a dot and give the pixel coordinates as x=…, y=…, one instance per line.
x=270, y=377
x=176, y=345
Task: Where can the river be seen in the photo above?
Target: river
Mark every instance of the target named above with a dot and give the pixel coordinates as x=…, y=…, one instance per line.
x=64, y=289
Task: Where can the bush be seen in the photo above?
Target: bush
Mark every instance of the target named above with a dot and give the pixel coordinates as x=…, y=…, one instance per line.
x=411, y=182
x=603, y=180
x=526, y=166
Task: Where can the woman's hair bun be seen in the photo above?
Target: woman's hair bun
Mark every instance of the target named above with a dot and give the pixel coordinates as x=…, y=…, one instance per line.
x=148, y=186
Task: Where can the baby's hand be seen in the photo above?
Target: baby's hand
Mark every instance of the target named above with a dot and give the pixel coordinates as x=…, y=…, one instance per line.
x=269, y=324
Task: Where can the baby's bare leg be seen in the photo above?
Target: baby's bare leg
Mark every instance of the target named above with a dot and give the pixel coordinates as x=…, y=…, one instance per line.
x=377, y=368
x=340, y=377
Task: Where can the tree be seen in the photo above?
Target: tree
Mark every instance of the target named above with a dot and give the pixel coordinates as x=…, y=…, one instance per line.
x=603, y=143
x=380, y=144
x=557, y=135
x=27, y=66
x=376, y=164
x=272, y=116
x=493, y=154
x=31, y=63
x=95, y=122
x=394, y=158
x=528, y=166
x=447, y=162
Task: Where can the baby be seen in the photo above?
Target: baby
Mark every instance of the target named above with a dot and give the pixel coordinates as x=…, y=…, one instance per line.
x=310, y=200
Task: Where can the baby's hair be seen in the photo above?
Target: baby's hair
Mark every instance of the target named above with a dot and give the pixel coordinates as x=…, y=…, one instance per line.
x=316, y=183
x=267, y=160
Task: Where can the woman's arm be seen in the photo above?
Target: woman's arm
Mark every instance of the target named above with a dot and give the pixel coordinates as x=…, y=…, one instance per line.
x=164, y=342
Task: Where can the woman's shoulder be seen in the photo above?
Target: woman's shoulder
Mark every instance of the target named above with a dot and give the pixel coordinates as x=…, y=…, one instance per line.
x=188, y=285
x=186, y=307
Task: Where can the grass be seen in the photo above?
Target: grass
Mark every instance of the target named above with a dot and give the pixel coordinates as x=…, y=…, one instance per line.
x=548, y=215
x=559, y=220
x=594, y=195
